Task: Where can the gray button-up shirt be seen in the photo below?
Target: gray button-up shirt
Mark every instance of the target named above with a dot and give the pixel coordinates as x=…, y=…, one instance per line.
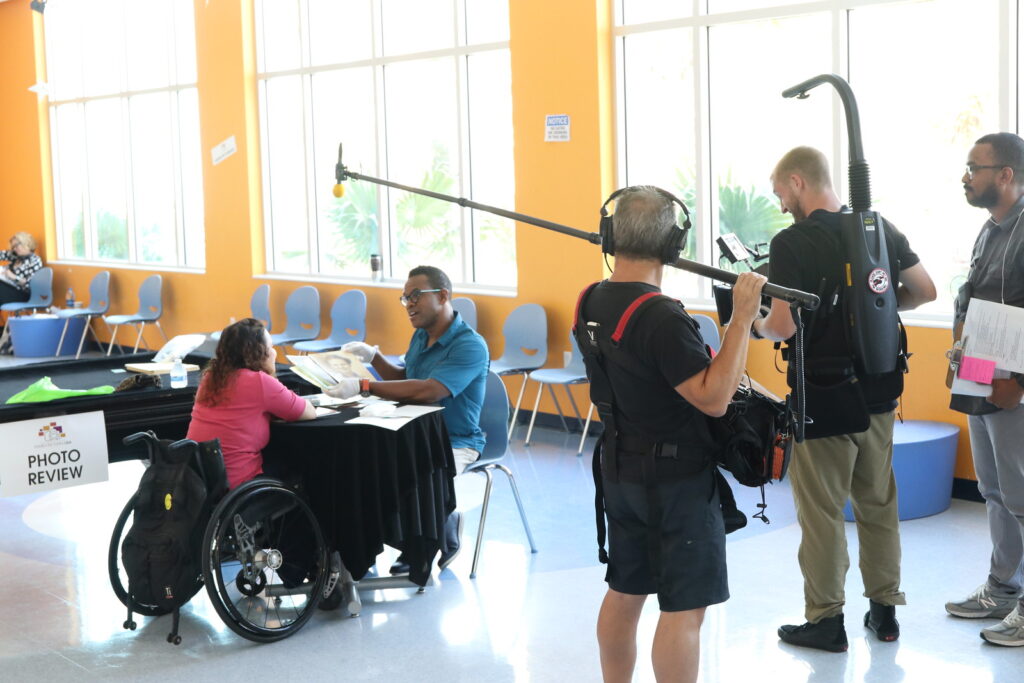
x=997, y=263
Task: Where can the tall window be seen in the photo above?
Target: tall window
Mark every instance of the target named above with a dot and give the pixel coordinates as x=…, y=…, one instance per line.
x=416, y=92
x=701, y=112
x=124, y=126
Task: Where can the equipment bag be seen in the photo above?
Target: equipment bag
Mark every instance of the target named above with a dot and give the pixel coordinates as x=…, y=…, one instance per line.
x=756, y=440
x=161, y=552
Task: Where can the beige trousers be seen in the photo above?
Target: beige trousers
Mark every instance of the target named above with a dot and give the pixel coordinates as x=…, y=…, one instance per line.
x=825, y=473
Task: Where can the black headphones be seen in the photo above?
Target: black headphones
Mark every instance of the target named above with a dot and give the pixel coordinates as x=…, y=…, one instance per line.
x=674, y=242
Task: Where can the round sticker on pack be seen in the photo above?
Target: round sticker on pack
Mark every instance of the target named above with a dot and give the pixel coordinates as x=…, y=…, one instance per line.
x=878, y=281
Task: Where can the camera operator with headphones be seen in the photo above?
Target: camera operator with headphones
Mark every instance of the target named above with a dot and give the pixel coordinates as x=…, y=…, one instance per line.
x=653, y=383
x=847, y=453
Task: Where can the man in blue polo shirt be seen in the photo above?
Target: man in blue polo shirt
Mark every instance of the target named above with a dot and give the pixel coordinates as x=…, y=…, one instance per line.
x=446, y=363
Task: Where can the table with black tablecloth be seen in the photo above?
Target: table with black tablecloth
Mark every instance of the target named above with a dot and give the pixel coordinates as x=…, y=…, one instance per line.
x=164, y=410
x=370, y=486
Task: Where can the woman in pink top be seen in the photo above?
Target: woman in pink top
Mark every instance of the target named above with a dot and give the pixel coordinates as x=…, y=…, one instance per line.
x=237, y=397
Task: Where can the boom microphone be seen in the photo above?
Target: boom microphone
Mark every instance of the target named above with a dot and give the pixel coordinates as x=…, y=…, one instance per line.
x=793, y=296
x=339, y=175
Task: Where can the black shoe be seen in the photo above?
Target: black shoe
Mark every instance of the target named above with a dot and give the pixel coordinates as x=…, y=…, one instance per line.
x=453, y=536
x=401, y=565
x=828, y=634
x=882, y=620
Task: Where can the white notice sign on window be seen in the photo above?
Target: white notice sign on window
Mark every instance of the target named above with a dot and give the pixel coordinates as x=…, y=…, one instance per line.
x=556, y=128
x=223, y=150
x=47, y=453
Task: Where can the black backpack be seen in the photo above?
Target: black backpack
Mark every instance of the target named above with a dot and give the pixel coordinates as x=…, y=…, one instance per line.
x=161, y=553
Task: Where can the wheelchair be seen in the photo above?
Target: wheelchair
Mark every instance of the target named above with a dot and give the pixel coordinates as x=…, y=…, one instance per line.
x=264, y=562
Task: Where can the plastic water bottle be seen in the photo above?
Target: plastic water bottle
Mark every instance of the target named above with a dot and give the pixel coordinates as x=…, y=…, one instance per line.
x=179, y=378
x=69, y=301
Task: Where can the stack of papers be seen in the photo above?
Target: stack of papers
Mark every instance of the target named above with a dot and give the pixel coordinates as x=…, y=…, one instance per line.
x=993, y=346
x=401, y=416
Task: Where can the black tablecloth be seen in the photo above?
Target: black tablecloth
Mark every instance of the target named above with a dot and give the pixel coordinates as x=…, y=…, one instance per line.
x=369, y=486
x=166, y=411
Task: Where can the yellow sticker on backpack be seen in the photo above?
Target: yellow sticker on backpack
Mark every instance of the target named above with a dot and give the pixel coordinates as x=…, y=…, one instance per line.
x=167, y=501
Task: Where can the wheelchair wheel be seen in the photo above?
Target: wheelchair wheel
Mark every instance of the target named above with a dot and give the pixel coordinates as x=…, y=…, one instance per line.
x=264, y=561
x=116, y=571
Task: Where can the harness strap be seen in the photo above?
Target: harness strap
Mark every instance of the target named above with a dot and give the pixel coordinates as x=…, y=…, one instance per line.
x=602, y=532
x=628, y=314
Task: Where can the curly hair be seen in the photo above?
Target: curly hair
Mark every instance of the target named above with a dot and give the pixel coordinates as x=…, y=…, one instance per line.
x=241, y=347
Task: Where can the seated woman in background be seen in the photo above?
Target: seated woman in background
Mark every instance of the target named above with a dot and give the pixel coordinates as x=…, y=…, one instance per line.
x=237, y=396
x=22, y=264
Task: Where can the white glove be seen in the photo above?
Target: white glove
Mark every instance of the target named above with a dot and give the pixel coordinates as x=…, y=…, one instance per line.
x=346, y=388
x=364, y=352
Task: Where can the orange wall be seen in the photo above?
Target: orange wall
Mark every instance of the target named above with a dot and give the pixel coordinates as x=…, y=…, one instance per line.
x=554, y=71
x=23, y=204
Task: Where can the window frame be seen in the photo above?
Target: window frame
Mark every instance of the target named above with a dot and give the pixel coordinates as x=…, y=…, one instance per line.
x=123, y=95
x=462, y=168
x=1010, y=114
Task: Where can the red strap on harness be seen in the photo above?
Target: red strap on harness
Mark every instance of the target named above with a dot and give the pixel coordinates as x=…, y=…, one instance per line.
x=628, y=313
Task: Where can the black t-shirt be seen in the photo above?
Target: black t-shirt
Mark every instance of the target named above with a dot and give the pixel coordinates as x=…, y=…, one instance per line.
x=809, y=256
x=661, y=349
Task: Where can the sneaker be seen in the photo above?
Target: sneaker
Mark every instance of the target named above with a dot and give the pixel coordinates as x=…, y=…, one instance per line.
x=983, y=604
x=401, y=565
x=453, y=535
x=1008, y=632
x=829, y=634
x=882, y=620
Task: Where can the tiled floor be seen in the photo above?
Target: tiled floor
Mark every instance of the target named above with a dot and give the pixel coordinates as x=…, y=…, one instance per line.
x=525, y=618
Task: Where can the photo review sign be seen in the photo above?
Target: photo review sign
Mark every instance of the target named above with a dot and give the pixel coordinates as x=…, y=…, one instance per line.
x=49, y=453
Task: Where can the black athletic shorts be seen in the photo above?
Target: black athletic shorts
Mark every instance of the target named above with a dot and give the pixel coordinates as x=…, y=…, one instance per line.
x=692, y=549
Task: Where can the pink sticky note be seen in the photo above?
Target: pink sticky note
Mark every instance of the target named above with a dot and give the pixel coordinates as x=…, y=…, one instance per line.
x=977, y=369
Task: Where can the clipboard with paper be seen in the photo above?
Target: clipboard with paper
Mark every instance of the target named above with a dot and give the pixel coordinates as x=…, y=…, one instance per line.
x=991, y=346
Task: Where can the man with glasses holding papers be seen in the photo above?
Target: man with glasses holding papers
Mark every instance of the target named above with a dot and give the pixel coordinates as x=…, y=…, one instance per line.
x=994, y=180
x=446, y=363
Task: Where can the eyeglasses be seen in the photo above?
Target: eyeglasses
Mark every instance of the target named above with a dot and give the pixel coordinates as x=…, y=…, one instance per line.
x=413, y=297
x=969, y=170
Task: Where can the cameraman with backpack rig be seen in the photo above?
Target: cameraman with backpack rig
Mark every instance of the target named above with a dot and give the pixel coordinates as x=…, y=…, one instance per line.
x=847, y=453
x=657, y=456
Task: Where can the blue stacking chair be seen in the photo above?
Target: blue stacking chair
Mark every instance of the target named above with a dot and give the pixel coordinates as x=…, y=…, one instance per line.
x=151, y=307
x=466, y=308
x=259, y=304
x=708, y=330
x=302, y=317
x=99, y=304
x=525, y=330
x=574, y=372
x=493, y=414
x=40, y=293
x=348, y=323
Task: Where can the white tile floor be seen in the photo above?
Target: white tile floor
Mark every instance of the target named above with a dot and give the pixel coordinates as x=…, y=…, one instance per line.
x=525, y=618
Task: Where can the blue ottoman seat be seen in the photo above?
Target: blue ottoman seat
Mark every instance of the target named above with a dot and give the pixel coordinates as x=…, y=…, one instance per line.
x=923, y=458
